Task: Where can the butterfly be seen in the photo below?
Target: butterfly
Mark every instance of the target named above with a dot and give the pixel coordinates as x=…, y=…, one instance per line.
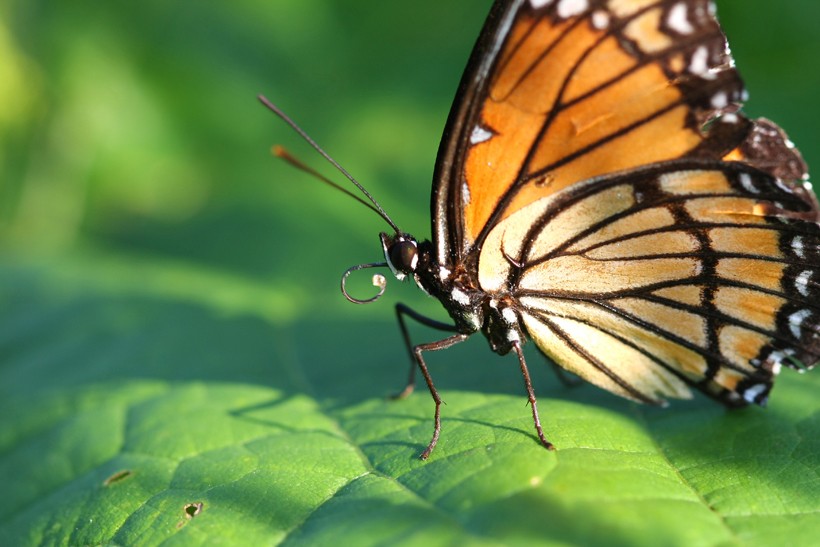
x=598, y=191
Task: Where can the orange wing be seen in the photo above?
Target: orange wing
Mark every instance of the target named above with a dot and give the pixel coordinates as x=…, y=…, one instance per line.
x=558, y=92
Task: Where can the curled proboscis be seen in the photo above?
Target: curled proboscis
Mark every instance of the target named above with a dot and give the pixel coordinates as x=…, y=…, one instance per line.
x=378, y=281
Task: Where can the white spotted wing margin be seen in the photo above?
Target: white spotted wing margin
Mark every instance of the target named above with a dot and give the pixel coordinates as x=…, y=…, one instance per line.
x=688, y=273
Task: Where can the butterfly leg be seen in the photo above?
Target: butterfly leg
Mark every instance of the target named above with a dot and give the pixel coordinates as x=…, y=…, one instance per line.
x=417, y=351
x=401, y=311
x=531, y=396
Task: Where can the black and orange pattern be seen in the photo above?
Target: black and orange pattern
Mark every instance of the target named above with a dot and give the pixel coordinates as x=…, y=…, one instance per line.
x=599, y=191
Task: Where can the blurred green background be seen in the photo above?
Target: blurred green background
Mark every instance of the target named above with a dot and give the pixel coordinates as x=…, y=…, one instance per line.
x=130, y=133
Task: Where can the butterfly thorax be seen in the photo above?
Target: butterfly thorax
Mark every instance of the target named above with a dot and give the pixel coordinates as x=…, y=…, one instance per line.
x=471, y=308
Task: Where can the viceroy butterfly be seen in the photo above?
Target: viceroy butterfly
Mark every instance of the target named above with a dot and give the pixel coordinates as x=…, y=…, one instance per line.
x=598, y=190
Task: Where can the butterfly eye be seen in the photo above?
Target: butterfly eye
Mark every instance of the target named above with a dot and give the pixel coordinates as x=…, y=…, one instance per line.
x=404, y=256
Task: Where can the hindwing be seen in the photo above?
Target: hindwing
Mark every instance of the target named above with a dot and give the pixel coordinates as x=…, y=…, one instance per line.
x=679, y=273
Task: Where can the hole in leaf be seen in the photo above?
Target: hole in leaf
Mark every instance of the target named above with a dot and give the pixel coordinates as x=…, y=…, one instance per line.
x=193, y=509
x=117, y=477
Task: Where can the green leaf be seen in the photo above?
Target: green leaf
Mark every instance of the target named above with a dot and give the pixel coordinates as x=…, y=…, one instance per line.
x=120, y=415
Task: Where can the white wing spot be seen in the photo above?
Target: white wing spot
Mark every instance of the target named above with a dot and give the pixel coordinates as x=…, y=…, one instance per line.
x=568, y=8
x=512, y=336
x=731, y=117
x=720, y=100
x=443, y=273
x=750, y=394
x=796, y=321
x=801, y=282
x=600, y=19
x=778, y=356
x=678, y=20
x=748, y=184
x=540, y=3
x=699, y=64
x=783, y=186
x=480, y=135
x=798, y=247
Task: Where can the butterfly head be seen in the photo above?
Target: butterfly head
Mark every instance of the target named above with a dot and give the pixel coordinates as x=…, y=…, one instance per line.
x=401, y=251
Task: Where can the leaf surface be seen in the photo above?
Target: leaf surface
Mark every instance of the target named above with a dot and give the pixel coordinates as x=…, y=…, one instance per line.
x=120, y=415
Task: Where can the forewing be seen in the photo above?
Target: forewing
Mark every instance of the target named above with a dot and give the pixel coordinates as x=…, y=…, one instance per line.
x=558, y=92
x=688, y=272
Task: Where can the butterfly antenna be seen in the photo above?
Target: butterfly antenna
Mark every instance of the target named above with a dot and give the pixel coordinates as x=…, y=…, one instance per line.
x=290, y=159
x=283, y=154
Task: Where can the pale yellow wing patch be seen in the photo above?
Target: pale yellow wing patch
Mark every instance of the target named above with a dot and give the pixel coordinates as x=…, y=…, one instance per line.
x=644, y=282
